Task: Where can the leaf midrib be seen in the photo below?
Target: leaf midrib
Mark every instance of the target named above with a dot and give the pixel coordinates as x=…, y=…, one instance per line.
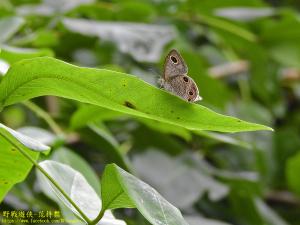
x=113, y=199
x=117, y=106
x=8, y=95
x=87, y=88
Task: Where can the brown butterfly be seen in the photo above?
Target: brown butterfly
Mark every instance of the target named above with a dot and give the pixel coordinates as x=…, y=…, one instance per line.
x=176, y=80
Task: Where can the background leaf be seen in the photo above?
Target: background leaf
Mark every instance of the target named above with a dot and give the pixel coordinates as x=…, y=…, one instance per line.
x=172, y=176
x=129, y=37
x=292, y=169
x=9, y=26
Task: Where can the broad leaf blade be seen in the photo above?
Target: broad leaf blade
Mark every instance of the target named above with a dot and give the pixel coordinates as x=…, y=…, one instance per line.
x=113, y=195
x=14, y=167
x=147, y=200
x=78, y=189
x=113, y=90
x=87, y=114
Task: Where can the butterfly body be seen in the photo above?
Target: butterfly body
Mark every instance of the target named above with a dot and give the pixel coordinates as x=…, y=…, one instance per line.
x=176, y=80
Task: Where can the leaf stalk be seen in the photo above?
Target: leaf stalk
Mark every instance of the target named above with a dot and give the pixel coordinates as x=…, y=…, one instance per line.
x=44, y=172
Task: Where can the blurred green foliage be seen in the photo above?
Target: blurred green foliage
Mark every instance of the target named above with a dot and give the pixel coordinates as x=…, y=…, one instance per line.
x=245, y=58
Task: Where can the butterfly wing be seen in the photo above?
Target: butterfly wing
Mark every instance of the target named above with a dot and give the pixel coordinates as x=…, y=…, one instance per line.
x=184, y=87
x=174, y=65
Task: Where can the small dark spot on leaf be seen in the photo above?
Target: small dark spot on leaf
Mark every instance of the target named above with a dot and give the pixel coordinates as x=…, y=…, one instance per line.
x=124, y=85
x=178, y=118
x=239, y=121
x=129, y=105
x=172, y=111
x=5, y=182
x=13, y=149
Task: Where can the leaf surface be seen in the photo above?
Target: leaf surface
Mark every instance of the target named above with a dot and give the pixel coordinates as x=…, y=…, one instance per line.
x=14, y=167
x=130, y=191
x=113, y=90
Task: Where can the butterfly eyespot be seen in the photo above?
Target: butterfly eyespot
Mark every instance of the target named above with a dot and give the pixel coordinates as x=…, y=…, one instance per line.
x=189, y=99
x=174, y=60
x=185, y=79
x=191, y=93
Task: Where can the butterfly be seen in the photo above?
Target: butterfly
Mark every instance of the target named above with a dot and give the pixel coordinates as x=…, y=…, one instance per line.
x=176, y=80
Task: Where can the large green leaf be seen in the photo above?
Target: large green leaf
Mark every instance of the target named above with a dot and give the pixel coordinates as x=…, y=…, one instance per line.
x=14, y=167
x=77, y=188
x=113, y=195
x=121, y=188
x=88, y=114
x=109, y=89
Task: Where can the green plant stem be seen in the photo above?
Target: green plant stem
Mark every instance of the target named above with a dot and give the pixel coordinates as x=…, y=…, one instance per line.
x=222, y=25
x=99, y=217
x=244, y=89
x=25, y=154
x=44, y=115
x=101, y=214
